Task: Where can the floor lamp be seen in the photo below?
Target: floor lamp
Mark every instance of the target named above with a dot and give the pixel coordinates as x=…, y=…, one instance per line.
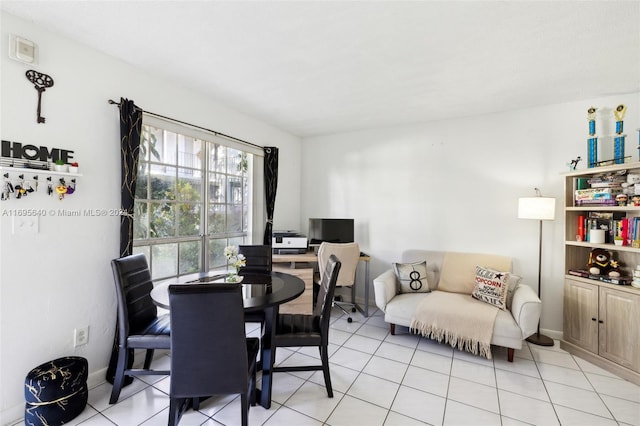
x=539, y=208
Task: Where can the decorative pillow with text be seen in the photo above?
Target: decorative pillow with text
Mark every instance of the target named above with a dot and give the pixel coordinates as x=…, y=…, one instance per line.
x=491, y=287
x=412, y=277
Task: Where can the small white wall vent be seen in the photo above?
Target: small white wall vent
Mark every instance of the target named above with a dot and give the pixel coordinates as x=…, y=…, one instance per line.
x=23, y=50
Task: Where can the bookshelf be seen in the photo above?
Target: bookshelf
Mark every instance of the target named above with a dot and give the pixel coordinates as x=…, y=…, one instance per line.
x=602, y=319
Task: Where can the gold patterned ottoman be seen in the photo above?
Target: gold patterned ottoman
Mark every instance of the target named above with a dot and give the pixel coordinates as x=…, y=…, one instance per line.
x=56, y=391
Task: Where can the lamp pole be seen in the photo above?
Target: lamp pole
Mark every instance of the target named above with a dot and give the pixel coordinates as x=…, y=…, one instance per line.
x=540, y=339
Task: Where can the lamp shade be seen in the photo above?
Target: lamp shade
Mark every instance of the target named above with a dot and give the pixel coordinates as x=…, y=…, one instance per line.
x=540, y=208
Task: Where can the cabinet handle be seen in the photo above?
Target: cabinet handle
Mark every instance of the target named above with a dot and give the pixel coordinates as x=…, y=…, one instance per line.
x=593, y=319
x=601, y=322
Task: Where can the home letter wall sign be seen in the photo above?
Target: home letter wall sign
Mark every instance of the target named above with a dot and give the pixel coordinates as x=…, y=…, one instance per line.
x=32, y=152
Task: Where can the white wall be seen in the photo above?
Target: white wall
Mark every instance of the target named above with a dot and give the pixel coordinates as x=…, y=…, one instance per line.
x=454, y=185
x=60, y=278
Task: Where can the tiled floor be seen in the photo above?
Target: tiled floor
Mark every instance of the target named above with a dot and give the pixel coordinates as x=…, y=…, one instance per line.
x=401, y=380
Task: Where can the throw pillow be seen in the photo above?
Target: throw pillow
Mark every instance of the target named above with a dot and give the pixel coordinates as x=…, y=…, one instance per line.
x=412, y=277
x=491, y=287
x=514, y=281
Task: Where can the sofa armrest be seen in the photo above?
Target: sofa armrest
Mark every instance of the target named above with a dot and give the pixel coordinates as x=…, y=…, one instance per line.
x=526, y=309
x=384, y=287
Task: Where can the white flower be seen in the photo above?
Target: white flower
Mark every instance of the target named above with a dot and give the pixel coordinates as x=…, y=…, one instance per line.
x=230, y=251
x=234, y=258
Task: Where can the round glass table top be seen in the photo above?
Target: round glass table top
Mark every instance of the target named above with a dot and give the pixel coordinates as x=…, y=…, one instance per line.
x=259, y=290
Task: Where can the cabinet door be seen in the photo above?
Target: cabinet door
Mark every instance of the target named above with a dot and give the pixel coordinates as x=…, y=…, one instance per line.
x=581, y=314
x=304, y=303
x=619, y=327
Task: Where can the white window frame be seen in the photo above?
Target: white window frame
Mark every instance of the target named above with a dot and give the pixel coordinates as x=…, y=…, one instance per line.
x=257, y=208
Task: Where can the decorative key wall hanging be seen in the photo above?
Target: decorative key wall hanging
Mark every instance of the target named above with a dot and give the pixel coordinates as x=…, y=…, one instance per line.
x=41, y=82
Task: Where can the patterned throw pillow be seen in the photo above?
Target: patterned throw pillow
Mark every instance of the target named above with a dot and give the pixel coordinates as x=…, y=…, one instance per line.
x=412, y=277
x=491, y=287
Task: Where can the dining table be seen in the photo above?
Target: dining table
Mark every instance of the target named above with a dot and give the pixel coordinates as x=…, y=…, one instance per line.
x=263, y=293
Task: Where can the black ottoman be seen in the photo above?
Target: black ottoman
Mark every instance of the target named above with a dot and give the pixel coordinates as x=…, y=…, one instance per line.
x=56, y=391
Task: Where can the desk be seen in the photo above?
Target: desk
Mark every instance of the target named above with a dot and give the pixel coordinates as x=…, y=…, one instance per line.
x=262, y=293
x=311, y=257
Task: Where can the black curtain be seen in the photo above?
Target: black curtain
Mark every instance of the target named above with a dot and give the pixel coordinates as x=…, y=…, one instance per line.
x=270, y=188
x=130, y=131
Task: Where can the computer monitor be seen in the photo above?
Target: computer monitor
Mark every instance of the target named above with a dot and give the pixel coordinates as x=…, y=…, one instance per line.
x=330, y=230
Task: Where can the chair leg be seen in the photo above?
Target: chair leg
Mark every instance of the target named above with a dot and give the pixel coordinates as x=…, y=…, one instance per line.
x=244, y=402
x=510, y=353
x=324, y=356
x=175, y=411
x=148, y=358
x=392, y=329
x=252, y=387
x=118, y=378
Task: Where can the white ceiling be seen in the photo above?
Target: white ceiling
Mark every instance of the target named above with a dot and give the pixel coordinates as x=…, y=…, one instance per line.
x=312, y=67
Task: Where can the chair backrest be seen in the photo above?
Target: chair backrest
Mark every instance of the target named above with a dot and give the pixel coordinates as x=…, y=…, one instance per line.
x=208, y=340
x=322, y=309
x=258, y=257
x=132, y=278
x=349, y=255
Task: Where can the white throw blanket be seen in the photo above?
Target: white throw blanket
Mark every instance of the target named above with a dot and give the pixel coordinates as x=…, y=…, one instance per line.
x=458, y=319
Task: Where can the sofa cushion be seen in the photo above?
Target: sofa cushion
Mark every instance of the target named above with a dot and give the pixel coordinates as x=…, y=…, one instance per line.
x=402, y=307
x=412, y=277
x=459, y=270
x=491, y=287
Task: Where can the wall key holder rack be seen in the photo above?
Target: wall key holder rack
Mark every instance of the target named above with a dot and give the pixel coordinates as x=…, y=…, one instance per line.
x=20, y=182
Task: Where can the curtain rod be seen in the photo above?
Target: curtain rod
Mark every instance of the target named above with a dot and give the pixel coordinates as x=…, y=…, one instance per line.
x=112, y=102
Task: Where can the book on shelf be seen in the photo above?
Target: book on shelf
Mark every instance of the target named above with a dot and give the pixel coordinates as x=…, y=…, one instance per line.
x=596, y=202
x=604, y=278
x=597, y=193
x=614, y=181
x=607, y=221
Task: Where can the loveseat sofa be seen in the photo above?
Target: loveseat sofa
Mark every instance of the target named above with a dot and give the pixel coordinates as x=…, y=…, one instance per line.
x=451, y=275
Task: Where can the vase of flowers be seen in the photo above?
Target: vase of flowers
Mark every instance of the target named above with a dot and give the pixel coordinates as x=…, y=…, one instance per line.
x=235, y=261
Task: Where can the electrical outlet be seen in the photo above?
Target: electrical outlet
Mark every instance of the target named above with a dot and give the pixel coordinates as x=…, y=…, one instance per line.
x=25, y=224
x=81, y=336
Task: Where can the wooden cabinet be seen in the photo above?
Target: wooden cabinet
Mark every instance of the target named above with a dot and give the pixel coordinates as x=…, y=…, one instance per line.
x=581, y=314
x=304, y=303
x=619, y=327
x=601, y=319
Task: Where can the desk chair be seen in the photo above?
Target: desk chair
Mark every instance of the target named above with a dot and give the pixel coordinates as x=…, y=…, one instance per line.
x=294, y=330
x=139, y=326
x=210, y=353
x=349, y=255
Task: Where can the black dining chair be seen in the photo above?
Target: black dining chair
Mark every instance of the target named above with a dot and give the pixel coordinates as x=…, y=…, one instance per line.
x=294, y=330
x=258, y=257
x=210, y=354
x=139, y=325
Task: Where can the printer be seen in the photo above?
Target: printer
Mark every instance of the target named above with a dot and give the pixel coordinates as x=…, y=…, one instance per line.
x=288, y=242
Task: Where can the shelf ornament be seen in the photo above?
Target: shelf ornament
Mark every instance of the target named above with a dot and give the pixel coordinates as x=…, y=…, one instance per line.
x=618, y=141
x=592, y=142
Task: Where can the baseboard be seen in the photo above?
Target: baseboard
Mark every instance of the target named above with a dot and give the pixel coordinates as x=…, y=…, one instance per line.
x=12, y=415
x=554, y=334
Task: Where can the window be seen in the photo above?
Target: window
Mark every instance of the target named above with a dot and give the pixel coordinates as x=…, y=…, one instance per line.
x=194, y=196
